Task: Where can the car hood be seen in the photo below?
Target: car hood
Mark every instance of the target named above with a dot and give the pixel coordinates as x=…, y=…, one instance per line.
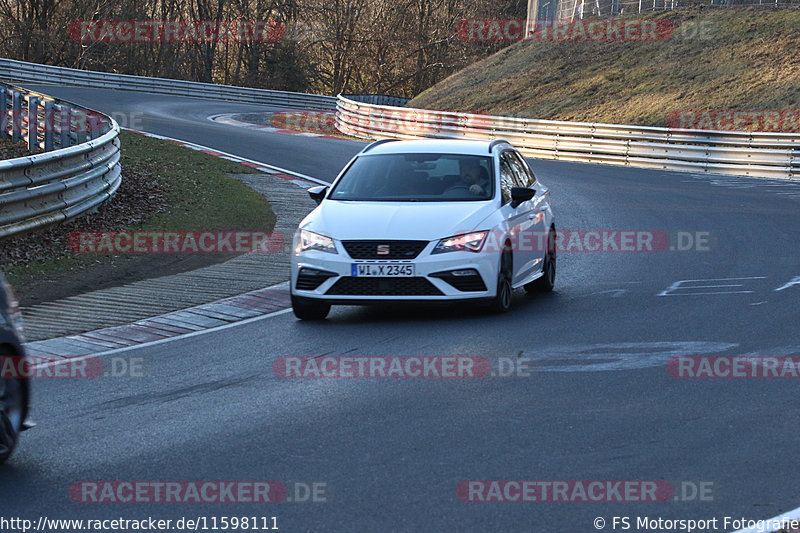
x=396, y=220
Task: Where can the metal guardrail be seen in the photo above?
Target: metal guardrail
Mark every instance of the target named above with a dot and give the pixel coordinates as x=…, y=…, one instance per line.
x=22, y=72
x=67, y=180
x=46, y=123
x=379, y=99
x=772, y=155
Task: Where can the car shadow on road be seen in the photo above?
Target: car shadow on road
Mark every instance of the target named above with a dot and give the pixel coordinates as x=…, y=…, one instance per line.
x=412, y=312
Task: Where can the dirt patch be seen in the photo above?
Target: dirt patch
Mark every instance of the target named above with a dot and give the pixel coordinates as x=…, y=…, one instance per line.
x=9, y=150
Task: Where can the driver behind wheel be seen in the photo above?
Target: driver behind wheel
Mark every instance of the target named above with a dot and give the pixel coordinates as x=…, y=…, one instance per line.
x=474, y=176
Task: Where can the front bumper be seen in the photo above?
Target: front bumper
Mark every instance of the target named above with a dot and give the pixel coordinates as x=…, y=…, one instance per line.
x=430, y=282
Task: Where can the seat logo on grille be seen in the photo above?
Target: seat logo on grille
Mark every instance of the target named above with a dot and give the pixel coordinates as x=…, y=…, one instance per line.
x=383, y=249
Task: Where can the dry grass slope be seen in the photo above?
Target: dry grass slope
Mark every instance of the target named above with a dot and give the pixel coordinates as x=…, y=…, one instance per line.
x=740, y=58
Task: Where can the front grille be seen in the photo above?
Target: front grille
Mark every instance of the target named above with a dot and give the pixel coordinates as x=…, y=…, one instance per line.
x=470, y=283
x=396, y=249
x=309, y=279
x=350, y=286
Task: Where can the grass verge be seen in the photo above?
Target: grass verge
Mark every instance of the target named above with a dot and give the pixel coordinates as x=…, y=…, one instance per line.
x=164, y=187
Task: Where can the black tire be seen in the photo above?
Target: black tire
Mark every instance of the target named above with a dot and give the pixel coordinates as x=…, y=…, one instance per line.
x=309, y=310
x=547, y=281
x=12, y=413
x=502, y=300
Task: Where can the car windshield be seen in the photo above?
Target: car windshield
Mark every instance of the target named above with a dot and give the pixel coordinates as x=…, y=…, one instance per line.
x=417, y=178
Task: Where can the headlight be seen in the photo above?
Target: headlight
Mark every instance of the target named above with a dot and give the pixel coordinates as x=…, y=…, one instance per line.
x=314, y=241
x=468, y=242
x=15, y=315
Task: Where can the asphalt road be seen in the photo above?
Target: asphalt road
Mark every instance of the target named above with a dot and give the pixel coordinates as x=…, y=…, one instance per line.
x=598, y=403
x=187, y=119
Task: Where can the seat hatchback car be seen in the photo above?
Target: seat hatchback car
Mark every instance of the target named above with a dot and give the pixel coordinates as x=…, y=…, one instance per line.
x=425, y=220
x=14, y=391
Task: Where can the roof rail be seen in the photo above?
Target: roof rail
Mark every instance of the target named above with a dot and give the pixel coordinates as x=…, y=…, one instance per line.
x=376, y=143
x=496, y=142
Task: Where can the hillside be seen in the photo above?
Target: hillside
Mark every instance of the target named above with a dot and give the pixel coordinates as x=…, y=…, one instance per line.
x=716, y=59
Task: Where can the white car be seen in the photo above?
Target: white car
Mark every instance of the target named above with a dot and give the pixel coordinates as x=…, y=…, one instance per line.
x=427, y=220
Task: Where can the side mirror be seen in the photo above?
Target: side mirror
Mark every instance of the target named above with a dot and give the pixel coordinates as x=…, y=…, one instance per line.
x=521, y=194
x=318, y=193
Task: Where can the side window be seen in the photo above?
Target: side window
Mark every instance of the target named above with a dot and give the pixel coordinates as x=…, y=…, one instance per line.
x=520, y=175
x=506, y=179
x=524, y=169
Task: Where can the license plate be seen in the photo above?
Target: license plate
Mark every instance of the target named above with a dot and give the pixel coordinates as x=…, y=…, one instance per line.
x=383, y=270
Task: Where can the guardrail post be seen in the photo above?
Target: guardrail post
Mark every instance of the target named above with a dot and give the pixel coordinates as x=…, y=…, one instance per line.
x=16, y=117
x=3, y=110
x=794, y=165
x=49, y=125
x=92, y=126
x=33, y=123
x=80, y=126
x=65, y=123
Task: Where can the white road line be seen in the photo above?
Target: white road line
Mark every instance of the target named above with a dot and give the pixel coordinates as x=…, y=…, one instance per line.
x=115, y=351
x=681, y=285
x=234, y=157
x=707, y=293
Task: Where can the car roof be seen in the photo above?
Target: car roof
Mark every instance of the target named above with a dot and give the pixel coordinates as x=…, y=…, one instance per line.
x=433, y=146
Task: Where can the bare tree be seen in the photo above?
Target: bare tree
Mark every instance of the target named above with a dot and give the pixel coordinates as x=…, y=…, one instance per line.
x=332, y=46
